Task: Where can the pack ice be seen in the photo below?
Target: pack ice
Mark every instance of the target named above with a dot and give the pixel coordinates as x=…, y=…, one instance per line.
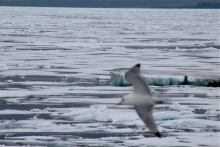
x=165, y=78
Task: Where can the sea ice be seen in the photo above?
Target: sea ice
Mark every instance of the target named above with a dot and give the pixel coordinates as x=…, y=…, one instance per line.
x=95, y=113
x=212, y=112
x=4, y=67
x=176, y=106
x=165, y=78
x=9, y=81
x=47, y=66
x=166, y=115
x=191, y=124
x=93, y=45
x=7, y=125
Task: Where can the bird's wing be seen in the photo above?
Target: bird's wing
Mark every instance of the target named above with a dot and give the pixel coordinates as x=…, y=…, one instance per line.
x=134, y=77
x=145, y=113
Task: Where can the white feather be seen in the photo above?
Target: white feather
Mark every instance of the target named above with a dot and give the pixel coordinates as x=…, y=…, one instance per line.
x=141, y=98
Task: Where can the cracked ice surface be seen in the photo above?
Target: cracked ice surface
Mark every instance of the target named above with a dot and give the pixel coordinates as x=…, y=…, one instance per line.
x=48, y=56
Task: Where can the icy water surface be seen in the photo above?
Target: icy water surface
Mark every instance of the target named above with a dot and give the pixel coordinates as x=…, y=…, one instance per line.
x=48, y=56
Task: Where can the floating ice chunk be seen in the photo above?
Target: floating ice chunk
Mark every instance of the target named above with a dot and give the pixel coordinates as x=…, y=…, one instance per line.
x=32, y=41
x=163, y=78
x=209, y=94
x=45, y=124
x=9, y=81
x=196, y=81
x=118, y=79
x=13, y=100
x=95, y=113
x=191, y=123
x=149, y=141
x=213, y=94
x=177, y=48
x=10, y=49
x=156, y=27
x=33, y=123
x=35, y=117
x=177, y=80
x=132, y=122
x=21, y=65
x=157, y=80
x=22, y=75
x=7, y=24
x=176, y=106
x=125, y=117
x=4, y=67
x=153, y=91
x=93, y=41
x=212, y=112
x=208, y=138
x=121, y=130
x=47, y=66
x=164, y=130
x=191, y=96
x=35, y=110
x=139, y=136
x=183, y=112
x=111, y=138
x=7, y=125
x=24, y=66
x=198, y=28
x=167, y=115
x=30, y=30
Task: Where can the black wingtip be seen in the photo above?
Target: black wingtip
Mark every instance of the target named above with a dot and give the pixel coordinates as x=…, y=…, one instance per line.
x=138, y=65
x=158, y=134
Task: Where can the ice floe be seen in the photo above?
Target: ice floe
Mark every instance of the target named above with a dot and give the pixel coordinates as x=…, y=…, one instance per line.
x=4, y=67
x=95, y=113
x=212, y=112
x=176, y=106
x=46, y=98
x=167, y=115
x=187, y=123
x=164, y=78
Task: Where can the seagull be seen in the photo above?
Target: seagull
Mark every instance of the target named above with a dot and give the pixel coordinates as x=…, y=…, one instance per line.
x=142, y=99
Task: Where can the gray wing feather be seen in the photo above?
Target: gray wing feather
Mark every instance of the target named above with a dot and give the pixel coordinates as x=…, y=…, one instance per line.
x=140, y=86
x=145, y=113
x=133, y=75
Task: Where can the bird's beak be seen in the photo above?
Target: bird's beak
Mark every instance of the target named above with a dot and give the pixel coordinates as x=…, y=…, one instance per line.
x=119, y=103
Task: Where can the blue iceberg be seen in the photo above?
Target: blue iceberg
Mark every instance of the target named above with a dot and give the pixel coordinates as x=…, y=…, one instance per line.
x=165, y=78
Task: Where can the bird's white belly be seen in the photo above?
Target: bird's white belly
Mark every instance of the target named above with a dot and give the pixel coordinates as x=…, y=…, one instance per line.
x=137, y=100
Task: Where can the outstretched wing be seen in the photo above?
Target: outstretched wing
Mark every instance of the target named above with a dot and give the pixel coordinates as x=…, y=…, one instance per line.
x=134, y=77
x=145, y=113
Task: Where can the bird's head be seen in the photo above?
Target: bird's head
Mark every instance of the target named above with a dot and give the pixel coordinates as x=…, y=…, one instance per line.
x=122, y=102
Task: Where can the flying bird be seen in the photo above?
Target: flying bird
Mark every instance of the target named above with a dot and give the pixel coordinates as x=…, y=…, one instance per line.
x=142, y=99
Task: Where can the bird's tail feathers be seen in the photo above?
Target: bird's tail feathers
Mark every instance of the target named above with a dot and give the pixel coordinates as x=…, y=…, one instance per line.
x=162, y=101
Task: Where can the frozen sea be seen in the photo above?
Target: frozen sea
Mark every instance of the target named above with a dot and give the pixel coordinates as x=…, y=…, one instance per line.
x=49, y=55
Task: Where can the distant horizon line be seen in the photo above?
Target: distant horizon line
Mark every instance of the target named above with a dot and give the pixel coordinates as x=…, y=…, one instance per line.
x=118, y=7
x=99, y=4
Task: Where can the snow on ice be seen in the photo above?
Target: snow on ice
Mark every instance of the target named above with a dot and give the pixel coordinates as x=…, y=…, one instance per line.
x=49, y=55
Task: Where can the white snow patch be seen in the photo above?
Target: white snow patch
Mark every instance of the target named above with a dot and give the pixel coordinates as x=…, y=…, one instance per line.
x=167, y=115
x=176, y=106
x=95, y=113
